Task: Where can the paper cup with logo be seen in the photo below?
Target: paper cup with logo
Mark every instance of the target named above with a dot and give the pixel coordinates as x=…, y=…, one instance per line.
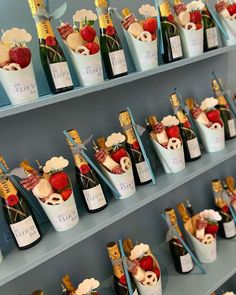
x=144, y=54
x=88, y=68
x=63, y=216
x=20, y=85
x=213, y=139
x=229, y=24
x=173, y=161
x=124, y=183
x=192, y=41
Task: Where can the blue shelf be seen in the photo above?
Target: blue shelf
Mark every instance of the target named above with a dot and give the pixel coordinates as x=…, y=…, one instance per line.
x=17, y=263
x=80, y=91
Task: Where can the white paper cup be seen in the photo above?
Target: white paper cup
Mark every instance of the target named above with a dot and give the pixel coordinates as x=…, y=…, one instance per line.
x=172, y=160
x=230, y=27
x=192, y=41
x=63, y=216
x=88, y=68
x=144, y=54
x=206, y=253
x=124, y=183
x=20, y=86
x=213, y=140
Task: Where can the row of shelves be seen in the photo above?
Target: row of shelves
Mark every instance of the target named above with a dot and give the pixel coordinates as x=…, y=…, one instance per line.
x=17, y=263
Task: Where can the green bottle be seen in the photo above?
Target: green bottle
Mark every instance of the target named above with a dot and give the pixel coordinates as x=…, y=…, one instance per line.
x=210, y=33
x=52, y=57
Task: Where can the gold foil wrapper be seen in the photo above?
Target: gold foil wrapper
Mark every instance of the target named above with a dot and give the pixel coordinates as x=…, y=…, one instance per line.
x=114, y=254
x=100, y=3
x=217, y=186
x=75, y=135
x=124, y=118
x=125, y=12
x=101, y=142
x=35, y=5
x=174, y=100
x=152, y=120
x=2, y=160
x=165, y=9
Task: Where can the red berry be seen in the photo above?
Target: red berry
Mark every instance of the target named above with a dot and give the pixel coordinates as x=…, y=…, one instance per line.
x=154, y=36
x=225, y=209
x=66, y=193
x=150, y=25
x=232, y=9
x=196, y=17
x=51, y=41
x=88, y=33
x=212, y=228
x=12, y=200
x=20, y=55
x=136, y=145
x=146, y=263
x=187, y=124
x=198, y=26
x=214, y=117
x=170, y=18
x=173, y=131
x=122, y=280
x=59, y=180
x=157, y=272
x=118, y=154
x=84, y=169
x=93, y=47
x=110, y=31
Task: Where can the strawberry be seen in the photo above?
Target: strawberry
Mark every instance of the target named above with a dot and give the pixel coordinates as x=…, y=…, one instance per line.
x=92, y=47
x=232, y=9
x=154, y=36
x=196, y=17
x=146, y=262
x=88, y=33
x=157, y=272
x=59, y=180
x=20, y=55
x=173, y=131
x=122, y=280
x=198, y=26
x=212, y=228
x=150, y=25
x=214, y=116
x=66, y=193
x=118, y=154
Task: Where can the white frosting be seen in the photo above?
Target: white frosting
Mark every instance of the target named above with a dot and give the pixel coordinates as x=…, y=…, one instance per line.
x=80, y=15
x=170, y=121
x=16, y=35
x=195, y=5
x=87, y=286
x=55, y=163
x=211, y=214
x=138, y=251
x=208, y=103
x=114, y=139
x=229, y=293
x=148, y=10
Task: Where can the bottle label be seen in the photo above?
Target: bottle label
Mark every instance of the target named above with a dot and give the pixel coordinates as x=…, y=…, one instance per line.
x=44, y=29
x=176, y=47
x=91, y=70
x=232, y=129
x=118, y=62
x=193, y=147
x=61, y=75
x=25, y=232
x=94, y=197
x=212, y=39
x=229, y=228
x=7, y=188
x=186, y=263
x=143, y=172
x=104, y=17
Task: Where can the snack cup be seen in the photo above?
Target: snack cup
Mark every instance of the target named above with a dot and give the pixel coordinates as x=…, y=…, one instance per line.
x=150, y=290
x=206, y=253
x=63, y=216
x=192, y=41
x=88, y=68
x=20, y=86
x=213, y=140
x=172, y=160
x=144, y=54
x=229, y=24
x=124, y=183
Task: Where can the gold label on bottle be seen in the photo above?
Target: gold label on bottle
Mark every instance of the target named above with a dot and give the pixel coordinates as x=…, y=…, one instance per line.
x=79, y=161
x=105, y=21
x=7, y=188
x=165, y=9
x=44, y=29
x=114, y=254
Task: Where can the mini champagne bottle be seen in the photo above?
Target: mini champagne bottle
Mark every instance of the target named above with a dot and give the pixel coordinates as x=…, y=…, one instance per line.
x=18, y=214
x=111, y=48
x=87, y=180
x=52, y=57
x=210, y=32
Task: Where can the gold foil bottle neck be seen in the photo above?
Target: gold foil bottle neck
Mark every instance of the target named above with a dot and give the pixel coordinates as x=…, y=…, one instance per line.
x=170, y=214
x=217, y=186
x=2, y=160
x=190, y=103
x=124, y=118
x=101, y=3
x=165, y=9
x=75, y=135
x=174, y=100
x=177, y=2
x=222, y=100
x=216, y=85
x=35, y=5
x=114, y=254
x=152, y=120
x=125, y=12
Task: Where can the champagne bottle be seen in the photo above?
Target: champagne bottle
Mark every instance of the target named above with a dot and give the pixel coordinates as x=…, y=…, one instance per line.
x=111, y=48
x=140, y=168
x=118, y=270
x=190, y=142
x=224, y=108
x=18, y=214
x=227, y=227
x=87, y=180
x=182, y=260
x=52, y=57
x=170, y=33
x=210, y=33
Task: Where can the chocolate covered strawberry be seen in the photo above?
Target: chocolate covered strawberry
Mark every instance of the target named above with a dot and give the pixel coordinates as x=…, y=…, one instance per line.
x=146, y=263
x=214, y=116
x=173, y=131
x=196, y=17
x=157, y=272
x=59, y=180
x=232, y=9
x=66, y=193
x=118, y=154
x=150, y=25
x=212, y=228
x=20, y=55
x=92, y=47
x=88, y=33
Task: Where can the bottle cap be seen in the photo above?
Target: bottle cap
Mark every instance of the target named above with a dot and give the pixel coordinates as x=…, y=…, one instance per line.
x=171, y=216
x=216, y=85
x=38, y=292
x=35, y=5
x=217, y=186
x=152, y=120
x=100, y=3
x=125, y=12
x=165, y=9
x=75, y=135
x=174, y=100
x=114, y=254
x=124, y=118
